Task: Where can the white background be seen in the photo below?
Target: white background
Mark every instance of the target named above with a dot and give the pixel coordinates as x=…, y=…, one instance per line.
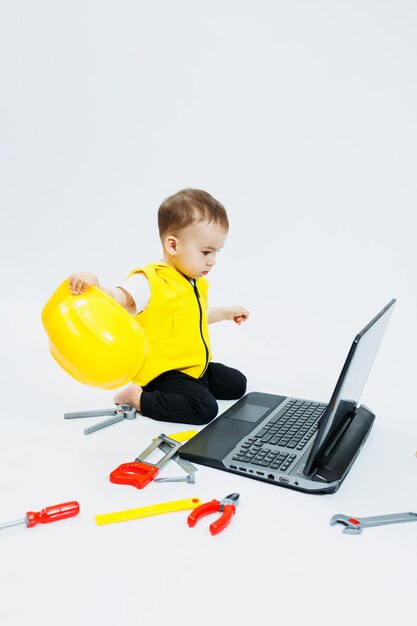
x=300, y=118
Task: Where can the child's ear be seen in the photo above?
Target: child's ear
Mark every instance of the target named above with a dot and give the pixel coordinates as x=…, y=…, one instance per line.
x=171, y=244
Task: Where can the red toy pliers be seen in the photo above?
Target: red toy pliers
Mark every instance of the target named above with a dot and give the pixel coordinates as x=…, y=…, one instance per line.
x=227, y=507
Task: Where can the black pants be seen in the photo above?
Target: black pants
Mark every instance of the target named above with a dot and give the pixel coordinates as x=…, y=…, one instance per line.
x=177, y=397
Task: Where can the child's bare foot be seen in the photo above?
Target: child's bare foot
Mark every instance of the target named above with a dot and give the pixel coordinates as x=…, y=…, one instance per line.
x=131, y=395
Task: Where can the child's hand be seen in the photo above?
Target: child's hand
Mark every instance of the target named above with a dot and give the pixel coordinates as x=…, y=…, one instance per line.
x=237, y=313
x=81, y=281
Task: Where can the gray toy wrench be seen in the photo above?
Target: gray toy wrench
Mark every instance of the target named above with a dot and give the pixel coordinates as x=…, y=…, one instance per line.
x=354, y=525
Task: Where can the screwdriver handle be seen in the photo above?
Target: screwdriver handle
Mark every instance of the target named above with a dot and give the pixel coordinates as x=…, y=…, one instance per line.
x=52, y=513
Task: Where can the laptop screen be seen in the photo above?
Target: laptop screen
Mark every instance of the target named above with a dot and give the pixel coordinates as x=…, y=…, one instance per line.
x=349, y=387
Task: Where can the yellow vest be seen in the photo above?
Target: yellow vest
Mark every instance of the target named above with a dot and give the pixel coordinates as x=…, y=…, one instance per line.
x=175, y=323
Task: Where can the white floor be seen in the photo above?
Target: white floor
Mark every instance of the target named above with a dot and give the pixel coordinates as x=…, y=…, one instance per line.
x=300, y=117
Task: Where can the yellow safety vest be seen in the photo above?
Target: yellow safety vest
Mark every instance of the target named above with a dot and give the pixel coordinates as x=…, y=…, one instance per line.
x=175, y=322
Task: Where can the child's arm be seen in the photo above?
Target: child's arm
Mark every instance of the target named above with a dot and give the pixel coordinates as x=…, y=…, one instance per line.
x=81, y=281
x=235, y=312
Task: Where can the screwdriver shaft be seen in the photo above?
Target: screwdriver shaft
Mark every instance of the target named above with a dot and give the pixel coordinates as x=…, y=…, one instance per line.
x=14, y=523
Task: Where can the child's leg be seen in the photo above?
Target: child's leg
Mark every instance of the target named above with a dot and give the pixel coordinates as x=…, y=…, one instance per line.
x=225, y=383
x=177, y=397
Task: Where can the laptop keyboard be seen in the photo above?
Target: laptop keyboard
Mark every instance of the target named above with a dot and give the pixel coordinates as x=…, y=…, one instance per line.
x=289, y=430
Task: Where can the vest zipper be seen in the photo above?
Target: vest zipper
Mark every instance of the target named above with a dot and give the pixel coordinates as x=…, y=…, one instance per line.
x=197, y=295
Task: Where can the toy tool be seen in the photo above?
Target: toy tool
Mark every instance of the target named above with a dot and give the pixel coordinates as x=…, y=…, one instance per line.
x=147, y=511
x=186, y=465
x=227, y=507
x=189, y=478
x=47, y=515
x=120, y=413
x=354, y=525
x=138, y=473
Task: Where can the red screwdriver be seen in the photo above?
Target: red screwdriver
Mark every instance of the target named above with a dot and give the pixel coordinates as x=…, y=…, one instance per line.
x=48, y=514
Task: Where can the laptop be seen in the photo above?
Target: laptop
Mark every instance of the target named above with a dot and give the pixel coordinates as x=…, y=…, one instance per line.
x=300, y=444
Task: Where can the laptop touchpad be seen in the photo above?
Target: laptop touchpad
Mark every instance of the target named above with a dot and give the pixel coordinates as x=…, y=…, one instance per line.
x=249, y=413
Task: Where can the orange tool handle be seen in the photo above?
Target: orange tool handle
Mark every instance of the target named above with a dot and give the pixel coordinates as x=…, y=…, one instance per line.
x=223, y=521
x=135, y=473
x=212, y=507
x=203, y=509
x=52, y=513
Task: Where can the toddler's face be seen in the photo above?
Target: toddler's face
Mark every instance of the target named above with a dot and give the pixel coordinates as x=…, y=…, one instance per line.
x=194, y=251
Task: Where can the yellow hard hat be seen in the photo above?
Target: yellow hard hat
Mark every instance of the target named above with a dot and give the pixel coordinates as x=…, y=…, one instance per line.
x=93, y=338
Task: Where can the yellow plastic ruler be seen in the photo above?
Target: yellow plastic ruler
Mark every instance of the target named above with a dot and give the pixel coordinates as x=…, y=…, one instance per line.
x=147, y=511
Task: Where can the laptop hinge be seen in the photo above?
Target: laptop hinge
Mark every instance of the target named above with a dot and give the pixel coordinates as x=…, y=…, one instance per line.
x=340, y=455
x=346, y=423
